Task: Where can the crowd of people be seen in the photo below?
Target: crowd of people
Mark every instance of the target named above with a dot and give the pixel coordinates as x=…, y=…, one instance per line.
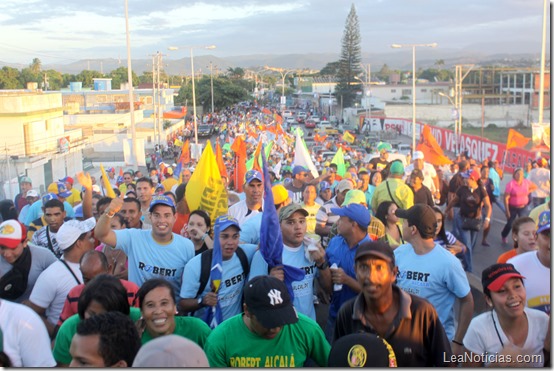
x=92, y=280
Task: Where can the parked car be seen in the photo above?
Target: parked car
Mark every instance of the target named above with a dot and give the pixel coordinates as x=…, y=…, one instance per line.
x=310, y=123
x=316, y=118
x=287, y=113
x=303, y=115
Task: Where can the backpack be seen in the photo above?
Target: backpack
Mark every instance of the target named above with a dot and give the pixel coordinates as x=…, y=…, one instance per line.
x=206, y=266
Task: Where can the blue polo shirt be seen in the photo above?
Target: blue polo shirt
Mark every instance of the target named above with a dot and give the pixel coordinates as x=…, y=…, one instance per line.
x=340, y=253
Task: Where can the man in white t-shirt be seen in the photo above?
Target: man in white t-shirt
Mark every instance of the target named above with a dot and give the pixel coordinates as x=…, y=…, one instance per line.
x=430, y=178
x=53, y=285
x=253, y=203
x=25, y=339
x=535, y=267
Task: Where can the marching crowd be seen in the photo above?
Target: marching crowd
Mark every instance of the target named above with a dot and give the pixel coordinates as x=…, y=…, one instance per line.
x=92, y=280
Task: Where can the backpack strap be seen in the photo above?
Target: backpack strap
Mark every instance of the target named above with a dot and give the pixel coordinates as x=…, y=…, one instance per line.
x=205, y=267
x=206, y=262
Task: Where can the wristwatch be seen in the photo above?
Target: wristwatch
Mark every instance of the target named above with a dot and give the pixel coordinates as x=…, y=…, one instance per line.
x=200, y=302
x=323, y=266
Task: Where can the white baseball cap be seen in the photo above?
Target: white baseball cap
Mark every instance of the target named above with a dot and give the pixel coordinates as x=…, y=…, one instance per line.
x=418, y=155
x=32, y=193
x=71, y=230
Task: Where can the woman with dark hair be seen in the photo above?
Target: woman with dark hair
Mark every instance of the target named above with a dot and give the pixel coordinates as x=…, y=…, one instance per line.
x=375, y=178
x=444, y=237
x=8, y=210
x=511, y=334
x=516, y=199
x=182, y=211
x=198, y=231
x=156, y=299
x=104, y=293
x=472, y=199
x=386, y=214
x=524, y=235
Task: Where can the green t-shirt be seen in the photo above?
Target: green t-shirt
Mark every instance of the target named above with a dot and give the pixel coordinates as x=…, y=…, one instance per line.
x=232, y=344
x=191, y=328
x=66, y=332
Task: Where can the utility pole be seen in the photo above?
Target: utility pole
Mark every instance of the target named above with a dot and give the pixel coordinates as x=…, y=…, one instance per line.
x=160, y=121
x=212, y=83
x=154, y=94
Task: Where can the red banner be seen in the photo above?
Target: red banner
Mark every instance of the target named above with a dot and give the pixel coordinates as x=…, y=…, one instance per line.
x=478, y=148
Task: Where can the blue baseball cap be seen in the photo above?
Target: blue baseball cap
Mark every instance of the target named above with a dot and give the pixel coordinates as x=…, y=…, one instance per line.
x=544, y=221
x=324, y=185
x=299, y=169
x=47, y=197
x=59, y=188
x=226, y=221
x=253, y=174
x=356, y=212
x=161, y=200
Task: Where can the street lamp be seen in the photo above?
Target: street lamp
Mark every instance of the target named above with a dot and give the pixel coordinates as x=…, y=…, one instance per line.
x=413, y=46
x=212, y=84
x=193, y=87
x=283, y=73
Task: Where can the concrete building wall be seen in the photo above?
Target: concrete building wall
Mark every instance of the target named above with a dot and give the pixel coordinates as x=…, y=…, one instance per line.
x=441, y=115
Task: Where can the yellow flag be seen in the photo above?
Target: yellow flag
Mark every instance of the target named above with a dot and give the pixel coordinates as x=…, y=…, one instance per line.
x=177, y=143
x=205, y=189
x=348, y=137
x=107, y=186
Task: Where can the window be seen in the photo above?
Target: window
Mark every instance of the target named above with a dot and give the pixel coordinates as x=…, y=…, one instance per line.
x=424, y=90
x=393, y=90
x=406, y=91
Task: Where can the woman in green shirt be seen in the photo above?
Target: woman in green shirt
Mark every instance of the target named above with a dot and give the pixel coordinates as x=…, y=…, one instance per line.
x=156, y=300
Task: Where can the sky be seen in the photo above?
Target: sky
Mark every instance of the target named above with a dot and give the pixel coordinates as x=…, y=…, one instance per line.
x=64, y=31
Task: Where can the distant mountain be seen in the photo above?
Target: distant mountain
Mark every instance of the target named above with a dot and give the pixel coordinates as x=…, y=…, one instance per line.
x=396, y=59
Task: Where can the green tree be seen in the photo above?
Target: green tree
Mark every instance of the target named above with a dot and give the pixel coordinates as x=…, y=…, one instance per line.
x=87, y=76
x=9, y=78
x=384, y=73
x=27, y=75
x=349, y=63
x=36, y=65
x=55, y=80
x=119, y=76
x=236, y=73
x=331, y=69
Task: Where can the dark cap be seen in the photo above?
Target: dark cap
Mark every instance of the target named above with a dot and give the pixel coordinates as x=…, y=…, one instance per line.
x=422, y=216
x=268, y=299
x=494, y=276
x=379, y=249
x=361, y=350
x=298, y=169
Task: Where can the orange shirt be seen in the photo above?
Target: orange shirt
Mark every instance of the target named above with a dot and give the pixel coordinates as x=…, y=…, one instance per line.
x=503, y=258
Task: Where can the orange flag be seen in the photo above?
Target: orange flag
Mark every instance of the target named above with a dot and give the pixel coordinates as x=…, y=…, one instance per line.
x=266, y=111
x=219, y=160
x=516, y=139
x=278, y=118
x=431, y=150
x=185, y=153
x=239, y=148
x=121, y=172
x=256, y=165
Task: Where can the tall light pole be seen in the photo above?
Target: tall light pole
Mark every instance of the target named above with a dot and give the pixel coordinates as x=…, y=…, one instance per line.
x=193, y=87
x=133, y=159
x=283, y=73
x=413, y=46
x=212, y=83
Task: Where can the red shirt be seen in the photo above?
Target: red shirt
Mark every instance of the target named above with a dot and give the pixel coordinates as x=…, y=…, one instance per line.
x=70, y=305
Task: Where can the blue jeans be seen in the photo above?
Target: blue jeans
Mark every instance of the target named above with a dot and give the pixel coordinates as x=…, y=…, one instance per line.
x=514, y=213
x=500, y=204
x=468, y=238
